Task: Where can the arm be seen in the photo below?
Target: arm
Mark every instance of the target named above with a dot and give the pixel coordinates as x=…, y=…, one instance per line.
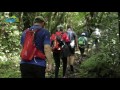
x=76, y=40
x=47, y=50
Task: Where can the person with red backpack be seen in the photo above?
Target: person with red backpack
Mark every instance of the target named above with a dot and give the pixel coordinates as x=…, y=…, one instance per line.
x=60, y=49
x=36, y=50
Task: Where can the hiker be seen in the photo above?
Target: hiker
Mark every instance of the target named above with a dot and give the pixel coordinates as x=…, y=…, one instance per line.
x=60, y=49
x=95, y=36
x=82, y=44
x=34, y=65
x=73, y=43
x=87, y=36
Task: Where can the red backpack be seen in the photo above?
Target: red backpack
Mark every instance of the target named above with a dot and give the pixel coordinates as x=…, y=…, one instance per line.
x=56, y=39
x=29, y=50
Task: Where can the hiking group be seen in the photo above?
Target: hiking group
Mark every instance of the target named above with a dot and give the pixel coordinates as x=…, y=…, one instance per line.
x=39, y=48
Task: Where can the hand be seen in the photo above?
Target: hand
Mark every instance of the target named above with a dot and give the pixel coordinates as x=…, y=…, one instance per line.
x=49, y=68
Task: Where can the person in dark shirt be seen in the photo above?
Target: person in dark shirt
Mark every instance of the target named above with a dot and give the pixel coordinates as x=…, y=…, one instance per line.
x=36, y=67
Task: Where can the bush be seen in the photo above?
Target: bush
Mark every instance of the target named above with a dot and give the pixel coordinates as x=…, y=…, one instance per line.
x=100, y=65
x=9, y=69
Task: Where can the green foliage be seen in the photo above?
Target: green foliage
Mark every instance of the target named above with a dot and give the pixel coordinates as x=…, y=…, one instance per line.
x=9, y=69
x=10, y=40
x=100, y=65
x=103, y=64
x=9, y=50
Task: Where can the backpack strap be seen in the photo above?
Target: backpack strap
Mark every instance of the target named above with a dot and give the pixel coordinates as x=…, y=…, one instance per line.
x=35, y=34
x=27, y=30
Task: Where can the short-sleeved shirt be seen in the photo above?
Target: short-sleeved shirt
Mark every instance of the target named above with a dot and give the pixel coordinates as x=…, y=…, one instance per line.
x=42, y=38
x=72, y=35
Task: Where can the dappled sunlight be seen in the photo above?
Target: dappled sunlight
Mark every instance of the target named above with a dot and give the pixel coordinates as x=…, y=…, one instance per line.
x=99, y=60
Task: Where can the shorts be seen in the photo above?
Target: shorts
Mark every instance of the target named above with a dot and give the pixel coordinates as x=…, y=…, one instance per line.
x=32, y=71
x=96, y=41
x=71, y=50
x=82, y=50
x=65, y=52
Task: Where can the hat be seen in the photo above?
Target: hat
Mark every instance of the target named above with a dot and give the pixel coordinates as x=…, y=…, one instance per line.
x=83, y=34
x=39, y=18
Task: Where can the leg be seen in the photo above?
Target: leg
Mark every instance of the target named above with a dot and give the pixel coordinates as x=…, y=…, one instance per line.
x=72, y=59
x=82, y=52
x=97, y=45
x=57, y=63
x=68, y=58
x=71, y=63
x=40, y=71
x=64, y=65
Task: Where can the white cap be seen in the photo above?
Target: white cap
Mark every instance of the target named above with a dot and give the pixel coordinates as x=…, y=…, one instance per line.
x=83, y=34
x=97, y=29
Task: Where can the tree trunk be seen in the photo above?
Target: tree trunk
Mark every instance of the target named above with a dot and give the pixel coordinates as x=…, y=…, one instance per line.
x=119, y=24
x=100, y=18
x=49, y=16
x=26, y=20
x=58, y=21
